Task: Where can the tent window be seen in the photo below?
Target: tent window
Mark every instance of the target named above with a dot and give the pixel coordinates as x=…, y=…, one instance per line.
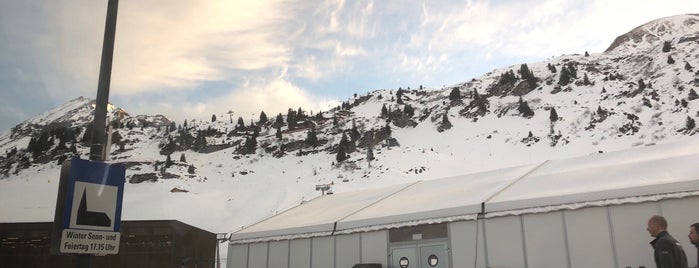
x=431, y=231
x=403, y=262
x=432, y=260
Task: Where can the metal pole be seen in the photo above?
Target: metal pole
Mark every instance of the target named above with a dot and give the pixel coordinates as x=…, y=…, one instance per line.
x=100, y=121
x=218, y=253
x=98, y=129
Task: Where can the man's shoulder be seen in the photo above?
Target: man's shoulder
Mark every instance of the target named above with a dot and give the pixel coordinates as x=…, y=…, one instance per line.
x=667, y=240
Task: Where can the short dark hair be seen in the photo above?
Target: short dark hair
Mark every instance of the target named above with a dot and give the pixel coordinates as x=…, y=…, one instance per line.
x=659, y=220
x=695, y=226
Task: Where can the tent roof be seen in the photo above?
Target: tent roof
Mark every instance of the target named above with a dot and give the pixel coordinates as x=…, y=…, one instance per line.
x=460, y=195
x=637, y=172
x=318, y=215
x=651, y=170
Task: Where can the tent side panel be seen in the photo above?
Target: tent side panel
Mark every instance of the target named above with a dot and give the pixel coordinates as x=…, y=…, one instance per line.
x=589, y=235
x=680, y=214
x=258, y=255
x=237, y=256
x=464, y=241
x=505, y=247
x=544, y=240
x=300, y=253
x=279, y=254
x=630, y=236
x=347, y=250
x=323, y=252
x=375, y=247
x=481, y=255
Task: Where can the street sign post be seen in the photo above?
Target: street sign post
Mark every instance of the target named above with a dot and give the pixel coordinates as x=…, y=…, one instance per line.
x=88, y=208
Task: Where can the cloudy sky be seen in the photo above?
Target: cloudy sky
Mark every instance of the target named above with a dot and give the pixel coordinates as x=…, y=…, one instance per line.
x=191, y=59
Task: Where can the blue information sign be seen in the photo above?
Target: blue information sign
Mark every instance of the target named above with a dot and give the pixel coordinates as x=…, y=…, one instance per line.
x=88, y=209
x=94, y=196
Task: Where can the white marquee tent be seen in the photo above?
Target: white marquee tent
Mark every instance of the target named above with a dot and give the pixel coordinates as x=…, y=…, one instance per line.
x=581, y=212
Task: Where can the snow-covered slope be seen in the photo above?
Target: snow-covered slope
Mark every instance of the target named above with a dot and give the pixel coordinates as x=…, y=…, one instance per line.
x=235, y=175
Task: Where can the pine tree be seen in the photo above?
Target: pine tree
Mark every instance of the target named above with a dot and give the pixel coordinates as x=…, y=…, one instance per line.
x=300, y=115
x=508, y=77
x=526, y=73
x=551, y=68
x=291, y=118
x=670, y=60
x=191, y=169
x=409, y=110
x=524, y=109
x=263, y=118
x=399, y=96
x=278, y=134
x=687, y=66
x=168, y=161
x=692, y=95
x=241, y=122
x=384, y=111
x=445, y=119
x=587, y=54
x=564, y=78
x=690, y=124
x=279, y=121
x=586, y=80
x=311, y=137
x=341, y=154
x=667, y=46
x=455, y=94
x=341, y=149
x=554, y=115
x=196, y=145
x=573, y=71
x=354, y=133
x=250, y=145
x=182, y=158
x=213, y=118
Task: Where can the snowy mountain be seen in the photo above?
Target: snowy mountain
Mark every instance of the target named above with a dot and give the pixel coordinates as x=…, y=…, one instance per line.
x=223, y=173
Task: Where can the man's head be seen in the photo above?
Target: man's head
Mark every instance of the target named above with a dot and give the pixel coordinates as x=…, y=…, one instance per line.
x=656, y=225
x=694, y=233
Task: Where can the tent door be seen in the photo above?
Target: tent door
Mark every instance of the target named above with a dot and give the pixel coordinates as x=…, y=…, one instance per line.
x=404, y=257
x=433, y=255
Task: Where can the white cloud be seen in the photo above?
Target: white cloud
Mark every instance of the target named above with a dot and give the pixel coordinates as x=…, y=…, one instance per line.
x=272, y=97
x=276, y=96
x=181, y=43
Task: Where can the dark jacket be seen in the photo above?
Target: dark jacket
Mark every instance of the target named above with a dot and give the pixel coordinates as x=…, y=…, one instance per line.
x=668, y=252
